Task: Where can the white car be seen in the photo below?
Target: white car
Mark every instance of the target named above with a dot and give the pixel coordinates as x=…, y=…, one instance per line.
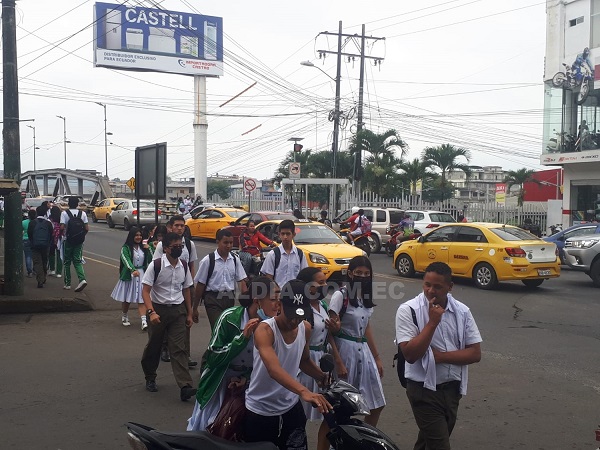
x=426, y=221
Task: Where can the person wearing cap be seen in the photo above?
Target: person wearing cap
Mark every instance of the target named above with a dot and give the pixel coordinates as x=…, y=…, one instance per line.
x=275, y=412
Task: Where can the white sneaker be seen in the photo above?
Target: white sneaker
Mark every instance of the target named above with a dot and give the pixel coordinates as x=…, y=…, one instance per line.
x=125, y=321
x=58, y=275
x=144, y=323
x=67, y=287
x=81, y=286
x=51, y=273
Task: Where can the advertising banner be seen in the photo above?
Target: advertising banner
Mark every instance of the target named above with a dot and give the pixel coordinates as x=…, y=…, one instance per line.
x=501, y=193
x=568, y=158
x=147, y=39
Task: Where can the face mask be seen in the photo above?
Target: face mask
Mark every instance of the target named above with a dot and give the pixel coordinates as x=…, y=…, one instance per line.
x=322, y=292
x=176, y=252
x=366, y=285
x=261, y=314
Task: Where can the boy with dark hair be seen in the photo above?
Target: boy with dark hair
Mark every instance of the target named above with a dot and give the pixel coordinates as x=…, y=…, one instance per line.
x=39, y=232
x=285, y=261
x=216, y=279
x=74, y=226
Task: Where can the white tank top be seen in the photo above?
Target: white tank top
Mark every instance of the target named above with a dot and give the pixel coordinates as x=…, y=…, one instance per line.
x=265, y=396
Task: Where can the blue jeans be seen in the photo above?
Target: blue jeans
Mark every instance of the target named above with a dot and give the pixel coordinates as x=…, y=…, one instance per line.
x=27, y=252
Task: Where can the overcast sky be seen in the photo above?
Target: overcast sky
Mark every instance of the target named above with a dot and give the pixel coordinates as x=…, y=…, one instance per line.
x=468, y=72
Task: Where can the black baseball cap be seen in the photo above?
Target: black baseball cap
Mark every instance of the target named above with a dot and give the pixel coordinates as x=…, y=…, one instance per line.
x=294, y=301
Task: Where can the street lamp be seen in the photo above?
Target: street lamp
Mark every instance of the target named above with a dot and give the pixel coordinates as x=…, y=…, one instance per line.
x=64, y=119
x=34, y=147
x=106, y=134
x=336, y=120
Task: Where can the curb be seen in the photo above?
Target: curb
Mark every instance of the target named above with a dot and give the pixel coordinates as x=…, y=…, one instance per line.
x=22, y=305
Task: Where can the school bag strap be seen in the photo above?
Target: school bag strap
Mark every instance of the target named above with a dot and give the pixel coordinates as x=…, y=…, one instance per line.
x=277, y=253
x=399, y=359
x=158, y=267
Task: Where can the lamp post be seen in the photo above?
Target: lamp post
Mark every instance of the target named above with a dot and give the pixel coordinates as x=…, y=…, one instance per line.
x=297, y=149
x=34, y=147
x=64, y=119
x=336, y=118
x=106, y=134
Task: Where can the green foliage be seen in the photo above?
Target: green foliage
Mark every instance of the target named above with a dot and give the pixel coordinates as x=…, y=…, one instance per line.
x=220, y=188
x=415, y=170
x=438, y=190
x=519, y=178
x=446, y=158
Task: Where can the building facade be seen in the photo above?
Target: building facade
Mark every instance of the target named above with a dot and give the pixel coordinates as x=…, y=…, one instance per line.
x=571, y=135
x=480, y=186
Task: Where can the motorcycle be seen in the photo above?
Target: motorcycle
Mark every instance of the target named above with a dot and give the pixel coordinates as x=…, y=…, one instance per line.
x=555, y=229
x=346, y=431
x=570, y=80
x=364, y=241
x=398, y=237
x=561, y=143
x=253, y=262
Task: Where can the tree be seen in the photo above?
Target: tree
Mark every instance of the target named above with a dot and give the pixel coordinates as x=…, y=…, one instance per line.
x=438, y=190
x=519, y=178
x=416, y=170
x=220, y=188
x=378, y=144
x=382, y=178
x=446, y=158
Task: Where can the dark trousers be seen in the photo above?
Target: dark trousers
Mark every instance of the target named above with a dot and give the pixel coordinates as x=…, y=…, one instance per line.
x=217, y=302
x=172, y=322
x=40, y=263
x=288, y=432
x=435, y=413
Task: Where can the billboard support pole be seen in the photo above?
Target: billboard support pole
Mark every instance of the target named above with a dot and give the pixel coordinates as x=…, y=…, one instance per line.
x=200, y=137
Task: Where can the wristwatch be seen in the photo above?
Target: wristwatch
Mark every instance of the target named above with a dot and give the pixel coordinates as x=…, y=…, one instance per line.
x=149, y=312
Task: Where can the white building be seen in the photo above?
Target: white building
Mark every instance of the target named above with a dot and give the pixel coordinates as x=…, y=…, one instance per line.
x=572, y=123
x=480, y=186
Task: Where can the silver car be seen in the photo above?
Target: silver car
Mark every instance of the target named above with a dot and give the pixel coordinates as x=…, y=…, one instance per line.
x=126, y=214
x=583, y=253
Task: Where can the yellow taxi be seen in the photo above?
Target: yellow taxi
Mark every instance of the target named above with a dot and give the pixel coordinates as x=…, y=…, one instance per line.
x=486, y=252
x=322, y=247
x=206, y=223
x=104, y=208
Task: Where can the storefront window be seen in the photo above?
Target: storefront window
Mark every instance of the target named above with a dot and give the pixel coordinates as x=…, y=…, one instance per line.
x=588, y=204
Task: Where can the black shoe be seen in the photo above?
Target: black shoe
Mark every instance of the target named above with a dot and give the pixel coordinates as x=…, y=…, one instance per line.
x=164, y=355
x=40, y=285
x=151, y=386
x=192, y=363
x=186, y=393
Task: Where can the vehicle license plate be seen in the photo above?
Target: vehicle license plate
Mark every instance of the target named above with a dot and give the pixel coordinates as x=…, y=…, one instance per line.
x=544, y=272
x=344, y=271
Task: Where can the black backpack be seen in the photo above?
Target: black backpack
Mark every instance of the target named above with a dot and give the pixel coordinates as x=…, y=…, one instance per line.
x=75, y=229
x=399, y=357
x=277, y=252
x=42, y=234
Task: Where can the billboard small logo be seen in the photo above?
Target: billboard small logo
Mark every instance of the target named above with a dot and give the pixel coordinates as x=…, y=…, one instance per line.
x=181, y=63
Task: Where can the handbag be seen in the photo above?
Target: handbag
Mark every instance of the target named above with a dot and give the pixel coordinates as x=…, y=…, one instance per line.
x=229, y=421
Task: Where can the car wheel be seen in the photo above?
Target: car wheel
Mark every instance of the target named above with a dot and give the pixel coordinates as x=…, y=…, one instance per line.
x=405, y=266
x=375, y=244
x=484, y=276
x=532, y=283
x=595, y=273
x=110, y=222
x=126, y=224
x=107, y=216
x=94, y=218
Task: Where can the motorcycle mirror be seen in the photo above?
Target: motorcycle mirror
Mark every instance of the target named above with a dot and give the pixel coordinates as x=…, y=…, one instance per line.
x=326, y=363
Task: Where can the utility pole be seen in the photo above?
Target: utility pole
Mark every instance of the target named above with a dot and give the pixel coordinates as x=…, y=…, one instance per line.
x=337, y=113
x=13, y=242
x=105, y=141
x=34, y=147
x=64, y=119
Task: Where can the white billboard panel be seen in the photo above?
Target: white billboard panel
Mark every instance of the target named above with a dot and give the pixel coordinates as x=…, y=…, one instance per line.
x=138, y=38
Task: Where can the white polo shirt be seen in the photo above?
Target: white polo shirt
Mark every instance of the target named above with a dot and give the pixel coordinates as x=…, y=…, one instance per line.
x=185, y=255
x=64, y=217
x=170, y=282
x=289, y=265
x=225, y=275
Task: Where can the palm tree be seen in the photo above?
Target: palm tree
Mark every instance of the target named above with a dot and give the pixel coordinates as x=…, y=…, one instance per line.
x=519, y=178
x=414, y=171
x=382, y=177
x=378, y=144
x=445, y=158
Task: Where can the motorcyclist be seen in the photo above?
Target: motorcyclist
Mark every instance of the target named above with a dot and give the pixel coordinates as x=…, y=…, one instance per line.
x=250, y=240
x=582, y=58
x=355, y=225
x=324, y=220
x=406, y=225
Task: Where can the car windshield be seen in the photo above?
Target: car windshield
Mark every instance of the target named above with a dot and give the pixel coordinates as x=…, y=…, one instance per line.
x=280, y=217
x=316, y=234
x=442, y=217
x=236, y=214
x=513, y=234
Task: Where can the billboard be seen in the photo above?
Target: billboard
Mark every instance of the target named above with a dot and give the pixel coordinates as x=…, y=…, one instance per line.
x=501, y=193
x=151, y=171
x=147, y=39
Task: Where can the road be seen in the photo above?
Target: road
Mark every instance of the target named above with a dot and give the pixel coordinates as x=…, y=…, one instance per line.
x=71, y=380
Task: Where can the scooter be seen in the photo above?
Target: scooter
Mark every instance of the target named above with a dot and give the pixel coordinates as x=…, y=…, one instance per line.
x=398, y=238
x=364, y=241
x=346, y=432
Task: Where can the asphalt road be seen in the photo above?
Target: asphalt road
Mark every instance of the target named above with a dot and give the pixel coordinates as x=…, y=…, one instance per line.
x=70, y=381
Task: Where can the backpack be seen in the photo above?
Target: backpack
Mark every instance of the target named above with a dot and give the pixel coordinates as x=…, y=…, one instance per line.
x=211, y=266
x=158, y=267
x=365, y=224
x=42, y=234
x=399, y=357
x=75, y=229
x=277, y=252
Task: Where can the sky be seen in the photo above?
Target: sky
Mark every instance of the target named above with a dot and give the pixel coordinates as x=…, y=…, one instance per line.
x=465, y=72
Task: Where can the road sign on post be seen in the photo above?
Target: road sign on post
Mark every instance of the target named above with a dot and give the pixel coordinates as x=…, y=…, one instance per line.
x=295, y=170
x=131, y=183
x=250, y=184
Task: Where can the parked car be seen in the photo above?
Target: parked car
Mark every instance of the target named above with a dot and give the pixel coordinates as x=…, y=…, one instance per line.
x=63, y=201
x=196, y=210
x=486, y=252
x=381, y=219
x=237, y=227
x=104, y=208
x=425, y=221
x=575, y=231
x=126, y=214
x=583, y=253
x=322, y=247
x=208, y=222
x=34, y=202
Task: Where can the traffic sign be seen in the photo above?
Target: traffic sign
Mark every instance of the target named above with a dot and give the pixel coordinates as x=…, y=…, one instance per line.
x=250, y=185
x=295, y=170
x=131, y=184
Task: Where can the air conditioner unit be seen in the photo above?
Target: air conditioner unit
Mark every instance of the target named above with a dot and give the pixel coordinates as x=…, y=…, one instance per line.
x=161, y=40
